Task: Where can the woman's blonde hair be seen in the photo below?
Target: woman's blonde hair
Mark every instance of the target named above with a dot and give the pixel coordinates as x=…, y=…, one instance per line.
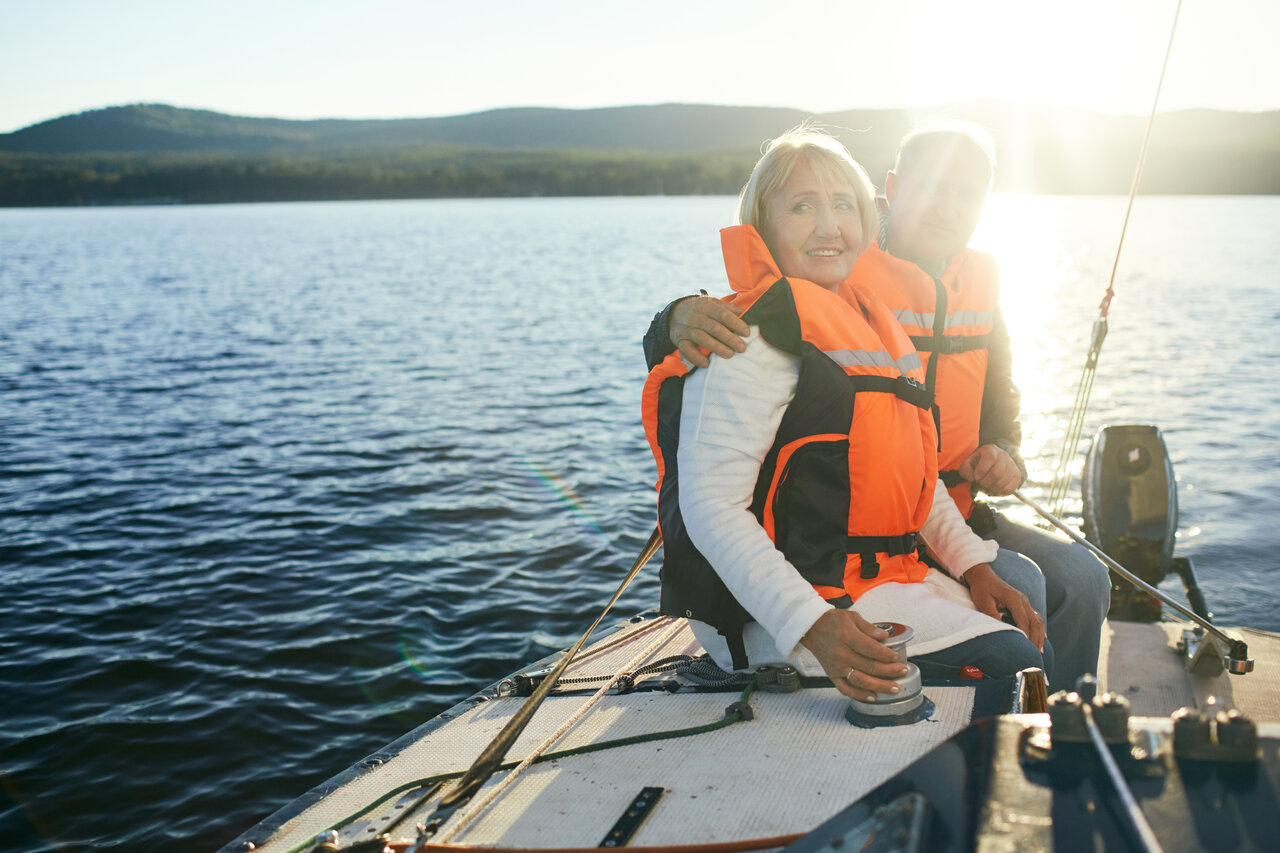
x=830, y=161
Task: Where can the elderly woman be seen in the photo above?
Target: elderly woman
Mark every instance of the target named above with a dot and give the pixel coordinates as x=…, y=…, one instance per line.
x=797, y=479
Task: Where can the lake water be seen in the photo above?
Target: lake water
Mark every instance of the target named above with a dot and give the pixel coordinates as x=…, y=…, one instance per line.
x=280, y=482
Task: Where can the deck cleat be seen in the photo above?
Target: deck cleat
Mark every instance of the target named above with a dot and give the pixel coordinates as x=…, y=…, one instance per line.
x=1111, y=713
x=327, y=841
x=1237, y=736
x=1215, y=734
x=777, y=679
x=1192, y=733
x=1066, y=718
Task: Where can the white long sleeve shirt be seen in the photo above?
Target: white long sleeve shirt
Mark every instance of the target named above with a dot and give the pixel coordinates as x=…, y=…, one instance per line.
x=730, y=415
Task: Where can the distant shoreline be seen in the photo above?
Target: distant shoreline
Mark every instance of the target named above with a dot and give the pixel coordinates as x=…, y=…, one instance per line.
x=118, y=180
x=156, y=152
x=153, y=202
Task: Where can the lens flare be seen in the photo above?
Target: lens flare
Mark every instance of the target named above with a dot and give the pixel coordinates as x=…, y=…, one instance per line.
x=563, y=492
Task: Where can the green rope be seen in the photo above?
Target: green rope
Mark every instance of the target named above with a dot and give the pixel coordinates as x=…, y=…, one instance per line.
x=733, y=714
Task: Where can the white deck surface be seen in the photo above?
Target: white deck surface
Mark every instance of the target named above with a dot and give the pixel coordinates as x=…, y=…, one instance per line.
x=796, y=764
x=1141, y=662
x=793, y=766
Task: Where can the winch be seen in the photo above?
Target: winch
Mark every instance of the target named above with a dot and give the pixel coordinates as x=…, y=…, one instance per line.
x=909, y=704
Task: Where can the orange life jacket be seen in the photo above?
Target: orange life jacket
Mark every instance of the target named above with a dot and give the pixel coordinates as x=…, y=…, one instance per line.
x=848, y=481
x=952, y=340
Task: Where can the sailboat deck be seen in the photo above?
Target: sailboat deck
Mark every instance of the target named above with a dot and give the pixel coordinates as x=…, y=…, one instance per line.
x=792, y=766
x=1140, y=661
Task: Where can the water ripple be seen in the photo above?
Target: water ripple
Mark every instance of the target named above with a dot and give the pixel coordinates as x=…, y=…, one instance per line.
x=279, y=482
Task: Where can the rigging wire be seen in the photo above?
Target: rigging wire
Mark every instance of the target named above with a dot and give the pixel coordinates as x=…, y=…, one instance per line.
x=1079, y=407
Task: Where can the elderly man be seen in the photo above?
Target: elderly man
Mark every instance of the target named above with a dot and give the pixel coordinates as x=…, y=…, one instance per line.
x=947, y=298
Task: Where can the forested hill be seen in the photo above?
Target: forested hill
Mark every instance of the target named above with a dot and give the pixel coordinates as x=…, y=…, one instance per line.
x=666, y=129
x=155, y=152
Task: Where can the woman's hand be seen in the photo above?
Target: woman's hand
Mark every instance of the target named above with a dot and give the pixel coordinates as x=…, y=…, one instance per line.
x=990, y=594
x=852, y=654
x=701, y=323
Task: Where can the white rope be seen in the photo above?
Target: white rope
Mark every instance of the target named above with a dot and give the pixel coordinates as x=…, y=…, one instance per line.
x=462, y=820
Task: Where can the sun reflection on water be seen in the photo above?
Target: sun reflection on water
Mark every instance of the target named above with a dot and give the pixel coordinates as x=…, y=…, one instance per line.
x=1048, y=297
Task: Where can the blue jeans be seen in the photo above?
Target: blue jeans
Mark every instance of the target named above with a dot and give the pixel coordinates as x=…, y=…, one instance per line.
x=1065, y=583
x=999, y=655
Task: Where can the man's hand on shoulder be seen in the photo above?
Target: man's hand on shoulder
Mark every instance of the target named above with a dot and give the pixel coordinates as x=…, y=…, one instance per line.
x=993, y=470
x=701, y=324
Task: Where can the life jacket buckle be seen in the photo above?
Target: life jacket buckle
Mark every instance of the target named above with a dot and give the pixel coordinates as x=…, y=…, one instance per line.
x=870, y=567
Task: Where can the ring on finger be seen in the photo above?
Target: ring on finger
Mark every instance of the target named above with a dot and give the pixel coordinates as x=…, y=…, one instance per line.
x=848, y=676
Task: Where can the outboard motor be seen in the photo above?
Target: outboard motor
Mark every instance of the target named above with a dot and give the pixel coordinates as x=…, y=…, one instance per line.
x=1131, y=512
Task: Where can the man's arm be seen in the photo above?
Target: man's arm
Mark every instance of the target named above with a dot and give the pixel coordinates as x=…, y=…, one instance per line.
x=657, y=340
x=1001, y=401
x=697, y=325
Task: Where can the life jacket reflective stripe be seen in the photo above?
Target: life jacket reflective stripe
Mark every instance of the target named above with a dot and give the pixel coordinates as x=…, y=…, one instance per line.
x=949, y=320
x=849, y=478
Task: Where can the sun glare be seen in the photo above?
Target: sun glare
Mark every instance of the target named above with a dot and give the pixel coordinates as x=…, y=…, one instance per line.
x=1104, y=56
x=1055, y=255
x=1027, y=235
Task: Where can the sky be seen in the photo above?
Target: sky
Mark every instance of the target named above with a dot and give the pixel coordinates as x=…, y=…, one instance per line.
x=420, y=58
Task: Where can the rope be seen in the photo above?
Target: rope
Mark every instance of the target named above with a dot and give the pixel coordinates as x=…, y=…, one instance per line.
x=704, y=672
x=491, y=757
x=622, y=637
x=675, y=663
x=733, y=714
x=1075, y=425
x=466, y=817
